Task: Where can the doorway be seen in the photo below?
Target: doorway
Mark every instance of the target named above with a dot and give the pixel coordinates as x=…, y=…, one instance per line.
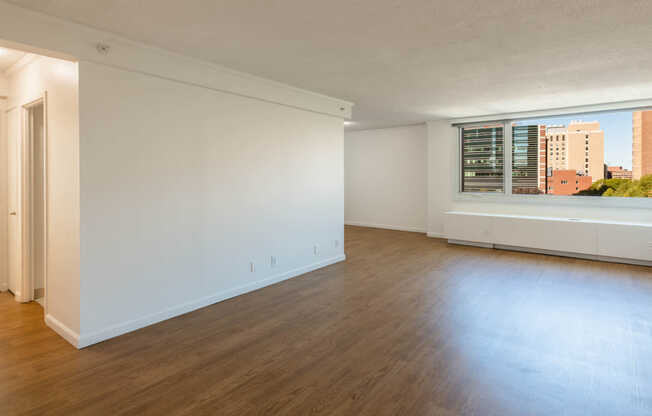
x=27, y=186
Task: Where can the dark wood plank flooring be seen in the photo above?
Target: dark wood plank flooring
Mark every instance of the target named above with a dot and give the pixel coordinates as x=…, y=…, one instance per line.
x=406, y=326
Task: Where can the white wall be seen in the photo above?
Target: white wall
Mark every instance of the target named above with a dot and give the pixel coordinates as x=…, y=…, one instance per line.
x=182, y=187
x=385, y=178
x=184, y=180
x=59, y=78
x=4, y=85
x=4, y=209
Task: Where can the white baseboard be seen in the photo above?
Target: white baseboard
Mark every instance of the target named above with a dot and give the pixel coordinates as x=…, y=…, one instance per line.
x=385, y=226
x=132, y=325
x=65, y=332
x=436, y=235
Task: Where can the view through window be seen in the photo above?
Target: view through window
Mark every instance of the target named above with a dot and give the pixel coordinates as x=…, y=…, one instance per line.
x=483, y=159
x=601, y=154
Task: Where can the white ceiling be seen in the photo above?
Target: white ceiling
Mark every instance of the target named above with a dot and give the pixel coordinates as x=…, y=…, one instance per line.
x=405, y=61
x=8, y=57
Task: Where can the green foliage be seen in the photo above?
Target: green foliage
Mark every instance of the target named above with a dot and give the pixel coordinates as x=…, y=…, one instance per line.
x=621, y=187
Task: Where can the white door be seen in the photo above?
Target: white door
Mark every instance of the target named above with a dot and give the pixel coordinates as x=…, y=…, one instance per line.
x=13, y=175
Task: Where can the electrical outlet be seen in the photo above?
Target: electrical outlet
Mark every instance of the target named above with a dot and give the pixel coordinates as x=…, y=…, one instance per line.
x=337, y=243
x=273, y=261
x=315, y=249
x=252, y=267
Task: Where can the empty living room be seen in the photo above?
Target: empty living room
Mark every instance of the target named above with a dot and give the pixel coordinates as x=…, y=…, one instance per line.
x=303, y=207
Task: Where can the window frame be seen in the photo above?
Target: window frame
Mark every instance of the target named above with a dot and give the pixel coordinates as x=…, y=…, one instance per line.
x=507, y=196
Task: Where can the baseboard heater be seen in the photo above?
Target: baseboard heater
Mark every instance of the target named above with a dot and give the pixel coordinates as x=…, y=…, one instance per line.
x=553, y=253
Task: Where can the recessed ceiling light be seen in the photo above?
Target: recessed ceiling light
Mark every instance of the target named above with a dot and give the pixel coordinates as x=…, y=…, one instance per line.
x=349, y=123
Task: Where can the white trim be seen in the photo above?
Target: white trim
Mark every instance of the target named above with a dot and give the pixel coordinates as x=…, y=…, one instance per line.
x=562, y=219
x=65, y=332
x=46, y=133
x=386, y=226
x=40, y=33
x=552, y=112
x=4, y=287
x=132, y=325
x=435, y=235
x=556, y=200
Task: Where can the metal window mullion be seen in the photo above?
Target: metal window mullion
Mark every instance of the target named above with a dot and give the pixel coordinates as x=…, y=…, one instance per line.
x=507, y=156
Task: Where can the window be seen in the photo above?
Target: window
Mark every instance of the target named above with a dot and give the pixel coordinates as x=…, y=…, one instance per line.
x=616, y=163
x=483, y=159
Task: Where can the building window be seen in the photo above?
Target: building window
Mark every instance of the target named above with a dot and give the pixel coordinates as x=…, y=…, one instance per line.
x=482, y=159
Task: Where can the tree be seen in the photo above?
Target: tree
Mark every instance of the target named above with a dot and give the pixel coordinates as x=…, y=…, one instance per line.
x=621, y=187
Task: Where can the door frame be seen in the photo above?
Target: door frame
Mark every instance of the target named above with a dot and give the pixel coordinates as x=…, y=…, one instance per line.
x=25, y=191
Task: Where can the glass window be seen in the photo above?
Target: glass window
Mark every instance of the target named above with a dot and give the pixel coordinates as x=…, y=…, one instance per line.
x=613, y=162
x=617, y=149
x=483, y=159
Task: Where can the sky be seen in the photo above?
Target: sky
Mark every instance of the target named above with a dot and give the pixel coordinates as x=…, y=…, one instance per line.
x=617, y=127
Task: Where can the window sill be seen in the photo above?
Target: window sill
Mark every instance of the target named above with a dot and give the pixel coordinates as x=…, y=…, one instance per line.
x=557, y=200
x=557, y=219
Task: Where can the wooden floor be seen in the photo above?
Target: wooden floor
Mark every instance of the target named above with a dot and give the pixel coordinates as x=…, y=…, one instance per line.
x=406, y=326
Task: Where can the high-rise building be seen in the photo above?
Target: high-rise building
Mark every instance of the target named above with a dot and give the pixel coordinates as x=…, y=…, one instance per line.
x=483, y=159
x=528, y=177
x=641, y=143
x=543, y=159
x=578, y=147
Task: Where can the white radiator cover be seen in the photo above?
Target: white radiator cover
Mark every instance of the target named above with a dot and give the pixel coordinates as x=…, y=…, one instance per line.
x=567, y=235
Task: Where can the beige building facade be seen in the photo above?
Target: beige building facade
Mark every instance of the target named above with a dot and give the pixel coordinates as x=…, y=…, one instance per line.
x=641, y=144
x=578, y=146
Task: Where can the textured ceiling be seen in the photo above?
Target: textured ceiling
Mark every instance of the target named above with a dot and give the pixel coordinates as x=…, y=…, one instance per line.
x=404, y=61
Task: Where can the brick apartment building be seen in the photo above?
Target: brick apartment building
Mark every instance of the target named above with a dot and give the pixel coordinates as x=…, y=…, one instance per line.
x=567, y=182
x=617, y=172
x=641, y=144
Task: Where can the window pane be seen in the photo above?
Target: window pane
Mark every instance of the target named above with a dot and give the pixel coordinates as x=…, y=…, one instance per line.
x=528, y=148
x=482, y=159
x=601, y=154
